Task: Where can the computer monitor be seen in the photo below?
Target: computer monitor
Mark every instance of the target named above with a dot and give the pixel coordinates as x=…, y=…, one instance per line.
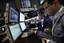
x=25, y=3
x=22, y=17
x=15, y=31
x=23, y=26
x=13, y=15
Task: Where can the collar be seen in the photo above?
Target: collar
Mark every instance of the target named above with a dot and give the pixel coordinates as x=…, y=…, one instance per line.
x=58, y=13
x=42, y=19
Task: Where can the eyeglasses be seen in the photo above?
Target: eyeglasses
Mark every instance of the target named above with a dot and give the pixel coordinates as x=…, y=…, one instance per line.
x=46, y=7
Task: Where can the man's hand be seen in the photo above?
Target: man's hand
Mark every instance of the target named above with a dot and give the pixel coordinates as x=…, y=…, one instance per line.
x=47, y=30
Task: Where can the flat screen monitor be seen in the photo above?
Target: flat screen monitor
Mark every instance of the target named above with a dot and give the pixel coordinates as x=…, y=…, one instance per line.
x=13, y=15
x=26, y=3
x=22, y=17
x=15, y=31
x=23, y=26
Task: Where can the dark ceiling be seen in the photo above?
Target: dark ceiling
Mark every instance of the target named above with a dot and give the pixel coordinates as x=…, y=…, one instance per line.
x=5, y=0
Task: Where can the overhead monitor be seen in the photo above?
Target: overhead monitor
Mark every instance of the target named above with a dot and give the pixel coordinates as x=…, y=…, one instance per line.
x=13, y=15
x=15, y=31
x=22, y=17
x=25, y=3
x=23, y=26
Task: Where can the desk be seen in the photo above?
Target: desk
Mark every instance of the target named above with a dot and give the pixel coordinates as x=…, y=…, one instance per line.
x=1, y=38
x=30, y=38
x=25, y=34
x=32, y=30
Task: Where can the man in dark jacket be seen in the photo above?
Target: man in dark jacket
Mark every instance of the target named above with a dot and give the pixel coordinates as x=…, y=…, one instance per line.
x=44, y=23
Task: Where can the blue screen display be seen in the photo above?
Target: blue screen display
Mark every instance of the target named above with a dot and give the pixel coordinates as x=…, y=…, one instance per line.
x=13, y=15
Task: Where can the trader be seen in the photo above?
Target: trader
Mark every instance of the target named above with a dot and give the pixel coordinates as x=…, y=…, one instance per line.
x=56, y=9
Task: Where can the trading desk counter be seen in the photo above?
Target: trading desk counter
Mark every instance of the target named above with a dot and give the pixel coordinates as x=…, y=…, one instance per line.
x=30, y=37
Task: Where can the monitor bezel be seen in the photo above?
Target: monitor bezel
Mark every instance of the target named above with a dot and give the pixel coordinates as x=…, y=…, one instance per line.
x=11, y=34
x=10, y=14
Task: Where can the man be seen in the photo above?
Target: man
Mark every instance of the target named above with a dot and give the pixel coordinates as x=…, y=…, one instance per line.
x=55, y=8
x=44, y=27
x=44, y=23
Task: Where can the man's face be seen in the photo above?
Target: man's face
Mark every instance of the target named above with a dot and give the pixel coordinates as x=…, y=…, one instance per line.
x=49, y=9
x=40, y=16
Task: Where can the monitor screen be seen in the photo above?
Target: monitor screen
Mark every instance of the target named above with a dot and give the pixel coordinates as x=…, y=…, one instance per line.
x=22, y=17
x=13, y=15
x=15, y=31
x=23, y=26
x=26, y=3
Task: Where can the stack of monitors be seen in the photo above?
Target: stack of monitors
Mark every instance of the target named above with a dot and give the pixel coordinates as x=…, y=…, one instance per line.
x=22, y=21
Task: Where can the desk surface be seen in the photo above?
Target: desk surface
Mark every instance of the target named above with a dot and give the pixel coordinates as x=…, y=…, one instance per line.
x=35, y=28
x=25, y=34
x=31, y=31
x=32, y=38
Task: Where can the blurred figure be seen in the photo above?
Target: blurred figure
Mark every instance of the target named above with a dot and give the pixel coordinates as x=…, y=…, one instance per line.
x=44, y=24
x=55, y=8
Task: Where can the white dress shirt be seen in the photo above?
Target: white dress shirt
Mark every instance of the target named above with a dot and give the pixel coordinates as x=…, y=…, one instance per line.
x=42, y=22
